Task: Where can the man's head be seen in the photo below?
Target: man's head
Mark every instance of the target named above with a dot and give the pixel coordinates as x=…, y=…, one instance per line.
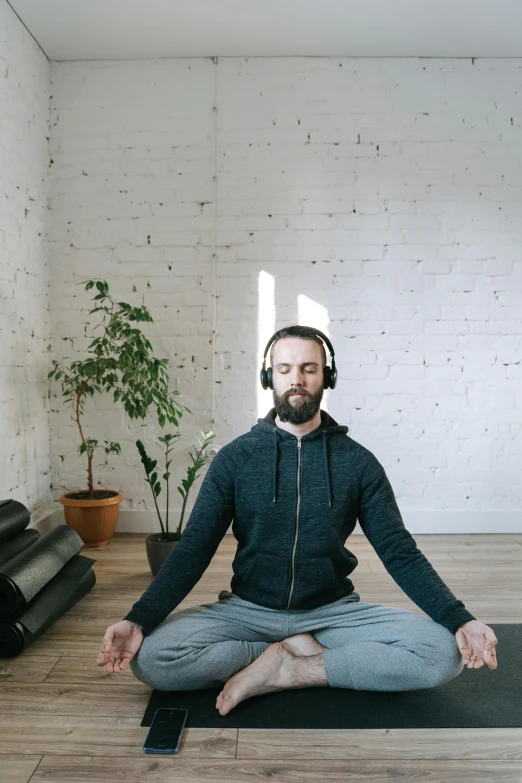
x=297, y=359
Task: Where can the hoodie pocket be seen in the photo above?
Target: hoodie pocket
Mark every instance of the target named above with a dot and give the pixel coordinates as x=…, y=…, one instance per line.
x=268, y=575
x=314, y=576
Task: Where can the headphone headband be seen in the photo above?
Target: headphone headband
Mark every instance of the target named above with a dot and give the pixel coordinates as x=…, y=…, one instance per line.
x=330, y=374
x=316, y=331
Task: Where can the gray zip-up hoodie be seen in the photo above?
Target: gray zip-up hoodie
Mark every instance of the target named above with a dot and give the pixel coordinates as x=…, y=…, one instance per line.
x=293, y=502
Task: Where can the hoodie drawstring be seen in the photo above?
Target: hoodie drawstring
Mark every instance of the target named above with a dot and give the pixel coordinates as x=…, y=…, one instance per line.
x=276, y=446
x=326, y=466
x=327, y=470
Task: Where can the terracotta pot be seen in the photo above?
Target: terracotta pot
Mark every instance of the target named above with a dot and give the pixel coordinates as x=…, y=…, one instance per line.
x=158, y=550
x=95, y=519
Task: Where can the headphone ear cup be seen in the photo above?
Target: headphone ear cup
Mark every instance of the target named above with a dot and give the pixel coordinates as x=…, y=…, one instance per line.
x=326, y=377
x=333, y=378
x=269, y=378
x=263, y=378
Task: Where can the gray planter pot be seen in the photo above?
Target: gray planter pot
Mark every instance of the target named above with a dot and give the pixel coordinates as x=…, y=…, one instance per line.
x=158, y=550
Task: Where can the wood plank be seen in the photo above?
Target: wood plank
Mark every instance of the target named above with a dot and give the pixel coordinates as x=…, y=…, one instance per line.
x=479, y=556
x=158, y=769
x=24, y=669
x=55, y=644
x=71, y=669
x=18, y=769
x=91, y=735
x=392, y=744
x=95, y=698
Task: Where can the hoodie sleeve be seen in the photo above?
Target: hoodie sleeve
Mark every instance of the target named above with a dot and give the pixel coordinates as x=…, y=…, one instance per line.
x=381, y=522
x=210, y=519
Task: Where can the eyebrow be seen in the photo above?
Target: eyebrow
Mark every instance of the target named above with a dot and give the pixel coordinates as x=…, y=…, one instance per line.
x=286, y=364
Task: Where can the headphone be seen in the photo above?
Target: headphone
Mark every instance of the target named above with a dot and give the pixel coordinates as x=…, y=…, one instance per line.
x=329, y=373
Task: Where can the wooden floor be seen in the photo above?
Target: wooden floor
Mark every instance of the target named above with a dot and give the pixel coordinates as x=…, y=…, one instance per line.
x=63, y=718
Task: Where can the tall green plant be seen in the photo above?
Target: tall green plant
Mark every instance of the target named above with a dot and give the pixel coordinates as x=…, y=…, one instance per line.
x=198, y=461
x=120, y=360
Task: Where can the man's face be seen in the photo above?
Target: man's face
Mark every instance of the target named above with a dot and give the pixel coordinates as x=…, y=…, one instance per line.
x=297, y=367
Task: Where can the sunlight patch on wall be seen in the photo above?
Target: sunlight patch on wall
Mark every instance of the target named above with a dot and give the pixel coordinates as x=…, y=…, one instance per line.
x=311, y=313
x=265, y=330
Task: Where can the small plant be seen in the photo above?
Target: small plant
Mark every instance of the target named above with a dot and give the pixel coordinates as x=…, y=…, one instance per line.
x=121, y=361
x=198, y=461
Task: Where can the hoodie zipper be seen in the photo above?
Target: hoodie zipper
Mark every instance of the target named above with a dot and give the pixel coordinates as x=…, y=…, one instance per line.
x=297, y=519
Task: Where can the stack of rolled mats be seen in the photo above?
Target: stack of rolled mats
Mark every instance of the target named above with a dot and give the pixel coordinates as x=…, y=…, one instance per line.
x=41, y=577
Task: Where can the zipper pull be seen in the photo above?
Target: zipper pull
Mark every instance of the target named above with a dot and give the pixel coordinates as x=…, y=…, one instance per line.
x=298, y=443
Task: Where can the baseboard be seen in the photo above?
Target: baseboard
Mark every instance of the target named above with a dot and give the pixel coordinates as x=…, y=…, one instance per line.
x=419, y=522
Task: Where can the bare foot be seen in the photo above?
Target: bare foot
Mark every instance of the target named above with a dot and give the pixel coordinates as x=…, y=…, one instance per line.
x=303, y=644
x=271, y=671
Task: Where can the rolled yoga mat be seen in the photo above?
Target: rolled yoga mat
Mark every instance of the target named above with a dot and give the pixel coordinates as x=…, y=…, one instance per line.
x=24, y=575
x=66, y=589
x=14, y=517
x=9, y=549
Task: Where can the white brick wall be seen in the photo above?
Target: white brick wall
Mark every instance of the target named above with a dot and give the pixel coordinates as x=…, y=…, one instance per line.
x=389, y=191
x=24, y=269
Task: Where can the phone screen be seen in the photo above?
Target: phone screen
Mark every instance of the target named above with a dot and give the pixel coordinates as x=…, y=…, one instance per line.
x=165, y=731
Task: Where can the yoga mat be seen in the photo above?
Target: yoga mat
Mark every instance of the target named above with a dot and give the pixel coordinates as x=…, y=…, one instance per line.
x=476, y=698
x=18, y=543
x=24, y=575
x=14, y=517
x=72, y=583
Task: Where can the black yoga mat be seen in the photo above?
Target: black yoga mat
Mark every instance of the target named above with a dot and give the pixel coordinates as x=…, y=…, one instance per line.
x=476, y=698
x=18, y=543
x=24, y=575
x=14, y=517
x=66, y=589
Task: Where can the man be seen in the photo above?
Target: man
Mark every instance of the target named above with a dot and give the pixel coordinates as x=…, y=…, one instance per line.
x=294, y=487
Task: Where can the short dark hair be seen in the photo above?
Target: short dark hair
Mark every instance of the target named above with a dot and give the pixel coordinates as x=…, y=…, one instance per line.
x=296, y=330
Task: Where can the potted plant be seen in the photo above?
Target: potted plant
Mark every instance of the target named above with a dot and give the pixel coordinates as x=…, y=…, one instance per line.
x=120, y=360
x=159, y=545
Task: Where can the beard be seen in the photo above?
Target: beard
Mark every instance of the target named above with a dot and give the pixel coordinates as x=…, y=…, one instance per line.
x=298, y=410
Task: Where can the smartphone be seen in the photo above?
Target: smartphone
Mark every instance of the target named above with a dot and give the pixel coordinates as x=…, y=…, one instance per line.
x=165, y=730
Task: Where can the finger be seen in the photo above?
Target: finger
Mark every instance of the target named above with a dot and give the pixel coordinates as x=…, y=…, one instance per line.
x=112, y=664
x=472, y=661
x=102, y=657
x=491, y=659
x=107, y=640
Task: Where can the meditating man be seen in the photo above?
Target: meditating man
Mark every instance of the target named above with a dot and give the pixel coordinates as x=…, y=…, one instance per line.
x=293, y=488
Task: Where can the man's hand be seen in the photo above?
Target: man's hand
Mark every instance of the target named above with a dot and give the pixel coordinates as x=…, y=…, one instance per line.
x=477, y=642
x=119, y=646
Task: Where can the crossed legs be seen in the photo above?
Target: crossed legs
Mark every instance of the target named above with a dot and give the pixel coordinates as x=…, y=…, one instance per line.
x=295, y=662
x=243, y=648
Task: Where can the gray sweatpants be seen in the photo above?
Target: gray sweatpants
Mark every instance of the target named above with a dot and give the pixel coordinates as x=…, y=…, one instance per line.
x=370, y=647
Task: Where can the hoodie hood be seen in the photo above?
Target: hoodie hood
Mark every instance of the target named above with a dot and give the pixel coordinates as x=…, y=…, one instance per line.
x=327, y=428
